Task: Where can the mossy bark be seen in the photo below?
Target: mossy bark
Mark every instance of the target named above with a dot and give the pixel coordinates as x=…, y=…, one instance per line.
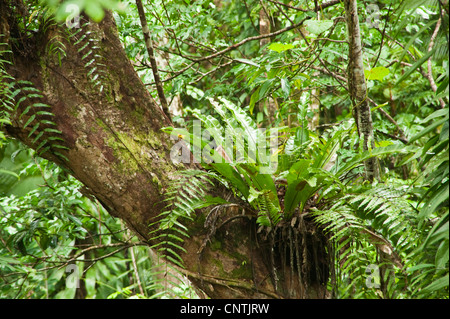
x=358, y=89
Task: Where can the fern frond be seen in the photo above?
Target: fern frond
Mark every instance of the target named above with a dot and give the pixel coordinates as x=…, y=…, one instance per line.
x=186, y=193
x=87, y=43
x=371, y=227
x=269, y=214
x=13, y=94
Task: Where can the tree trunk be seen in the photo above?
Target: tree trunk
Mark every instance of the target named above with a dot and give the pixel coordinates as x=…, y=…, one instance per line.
x=111, y=127
x=358, y=89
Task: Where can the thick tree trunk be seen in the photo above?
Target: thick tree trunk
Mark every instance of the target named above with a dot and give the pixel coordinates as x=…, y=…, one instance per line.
x=111, y=127
x=358, y=89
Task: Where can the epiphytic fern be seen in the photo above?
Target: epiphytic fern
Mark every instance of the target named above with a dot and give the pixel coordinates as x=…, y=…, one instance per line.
x=86, y=41
x=269, y=214
x=25, y=101
x=371, y=230
x=186, y=193
x=55, y=45
x=7, y=103
x=36, y=118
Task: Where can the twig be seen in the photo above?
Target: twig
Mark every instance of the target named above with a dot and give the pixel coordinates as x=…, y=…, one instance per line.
x=402, y=137
x=332, y=40
x=430, y=71
x=136, y=273
x=211, y=71
x=333, y=74
x=178, y=73
x=230, y=48
x=249, y=13
x=254, y=38
x=338, y=77
x=151, y=54
x=290, y=20
x=316, y=9
x=382, y=37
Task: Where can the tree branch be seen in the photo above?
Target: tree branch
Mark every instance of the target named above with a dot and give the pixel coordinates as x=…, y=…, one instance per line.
x=230, y=48
x=430, y=70
x=402, y=137
x=151, y=54
x=316, y=9
x=254, y=38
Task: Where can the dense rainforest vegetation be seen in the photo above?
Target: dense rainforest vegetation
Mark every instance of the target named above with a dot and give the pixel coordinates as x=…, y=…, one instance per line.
x=224, y=149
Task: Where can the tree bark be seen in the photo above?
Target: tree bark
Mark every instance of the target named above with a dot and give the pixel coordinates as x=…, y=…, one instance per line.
x=358, y=89
x=111, y=127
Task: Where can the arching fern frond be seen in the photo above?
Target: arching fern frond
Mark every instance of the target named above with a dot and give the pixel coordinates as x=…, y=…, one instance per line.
x=186, y=194
x=24, y=101
x=371, y=229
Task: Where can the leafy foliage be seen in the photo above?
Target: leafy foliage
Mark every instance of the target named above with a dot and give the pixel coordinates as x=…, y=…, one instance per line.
x=432, y=254
x=394, y=232
x=185, y=196
x=25, y=101
x=55, y=227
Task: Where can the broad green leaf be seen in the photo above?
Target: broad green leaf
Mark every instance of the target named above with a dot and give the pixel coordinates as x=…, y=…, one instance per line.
x=377, y=73
x=439, y=196
x=444, y=135
x=442, y=254
x=264, y=88
x=428, y=129
x=383, y=143
x=253, y=195
x=280, y=47
x=378, y=151
x=285, y=87
x=8, y=260
x=298, y=170
x=443, y=85
x=67, y=293
x=317, y=27
x=295, y=195
x=2, y=171
x=438, y=232
x=253, y=99
x=437, y=284
x=260, y=181
x=227, y=171
x=419, y=267
x=438, y=113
